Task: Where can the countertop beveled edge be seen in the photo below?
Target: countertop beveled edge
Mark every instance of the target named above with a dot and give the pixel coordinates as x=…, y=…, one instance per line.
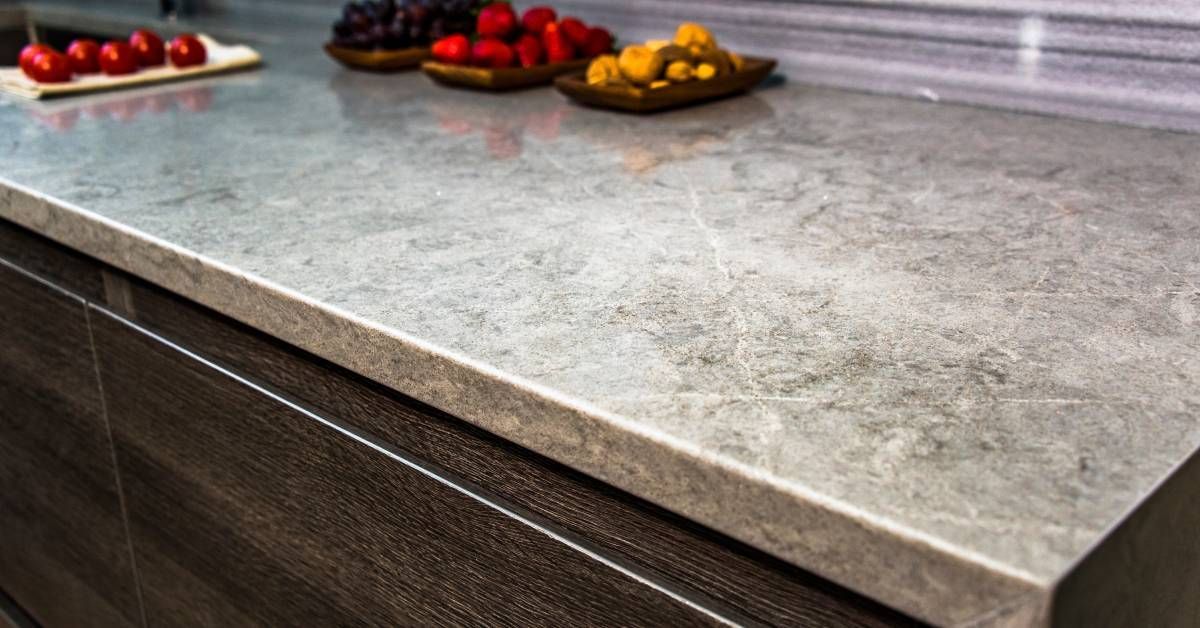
x=911, y=571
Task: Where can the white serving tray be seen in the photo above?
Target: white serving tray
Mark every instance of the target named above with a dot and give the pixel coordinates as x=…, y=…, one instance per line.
x=221, y=58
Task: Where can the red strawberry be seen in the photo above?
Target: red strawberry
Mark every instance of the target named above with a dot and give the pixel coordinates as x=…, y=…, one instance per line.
x=454, y=49
x=536, y=18
x=558, y=47
x=496, y=20
x=492, y=53
x=529, y=50
x=576, y=30
x=599, y=41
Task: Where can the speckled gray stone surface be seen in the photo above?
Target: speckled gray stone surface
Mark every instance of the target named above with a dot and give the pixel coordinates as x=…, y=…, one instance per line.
x=928, y=351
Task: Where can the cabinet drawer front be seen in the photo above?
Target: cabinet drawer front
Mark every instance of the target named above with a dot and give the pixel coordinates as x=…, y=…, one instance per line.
x=64, y=557
x=245, y=508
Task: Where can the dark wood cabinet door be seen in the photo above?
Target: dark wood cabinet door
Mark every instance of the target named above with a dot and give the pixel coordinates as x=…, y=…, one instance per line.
x=744, y=583
x=246, y=508
x=64, y=557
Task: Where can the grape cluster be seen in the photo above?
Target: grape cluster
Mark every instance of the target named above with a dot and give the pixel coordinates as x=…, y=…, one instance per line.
x=395, y=24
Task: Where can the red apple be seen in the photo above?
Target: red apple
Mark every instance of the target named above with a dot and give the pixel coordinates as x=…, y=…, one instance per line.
x=28, y=53
x=148, y=48
x=491, y=53
x=454, y=49
x=536, y=18
x=187, y=50
x=84, y=55
x=496, y=20
x=50, y=67
x=117, y=57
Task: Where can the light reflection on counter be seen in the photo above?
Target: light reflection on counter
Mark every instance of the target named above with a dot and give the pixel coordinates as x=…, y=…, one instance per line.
x=646, y=142
x=503, y=133
x=127, y=106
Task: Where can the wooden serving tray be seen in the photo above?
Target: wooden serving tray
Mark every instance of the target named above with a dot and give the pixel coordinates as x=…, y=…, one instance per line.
x=499, y=79
x=378, y=60
x=221, y=58
x=645, y=100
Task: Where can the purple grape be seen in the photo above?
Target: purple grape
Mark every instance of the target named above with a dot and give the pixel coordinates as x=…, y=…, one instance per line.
x=360, y=23
x=395, y=24
x=418, y=14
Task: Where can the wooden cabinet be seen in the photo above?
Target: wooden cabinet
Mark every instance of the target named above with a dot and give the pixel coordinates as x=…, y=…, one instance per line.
x=737, y=581
x=246, y=509
x=63, y=550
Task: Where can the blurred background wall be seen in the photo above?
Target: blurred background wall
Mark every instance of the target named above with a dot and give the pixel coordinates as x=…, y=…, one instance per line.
x=1129, y=61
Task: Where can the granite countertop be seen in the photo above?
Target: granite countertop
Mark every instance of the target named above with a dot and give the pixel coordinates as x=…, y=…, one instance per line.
x=931, y=352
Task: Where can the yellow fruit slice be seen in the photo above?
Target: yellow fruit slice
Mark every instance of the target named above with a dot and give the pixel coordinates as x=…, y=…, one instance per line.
x=602, y=70
x=658, y=84
x=705, y=71
x=692, y=34
x=679, y=72
x=658, y=44
x=640, y=64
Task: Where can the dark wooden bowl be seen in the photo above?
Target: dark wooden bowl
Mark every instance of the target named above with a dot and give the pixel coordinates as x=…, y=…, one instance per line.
x=645, y=100
x=499, y=79
x=378, y=60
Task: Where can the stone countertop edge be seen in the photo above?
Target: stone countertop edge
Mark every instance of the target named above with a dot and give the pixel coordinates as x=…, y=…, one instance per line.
x=913, y=572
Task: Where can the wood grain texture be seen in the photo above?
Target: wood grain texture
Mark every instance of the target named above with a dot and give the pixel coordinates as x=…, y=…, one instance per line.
x=378, y=60
x=64, y=556
x=498, y=79
x=729, y=574
x=12, y=615
x=245, y=510
x=59, y=265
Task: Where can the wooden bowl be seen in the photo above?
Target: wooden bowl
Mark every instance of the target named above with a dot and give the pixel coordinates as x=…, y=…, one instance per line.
x=645, y=100
x=499, y=79
x=378, y=60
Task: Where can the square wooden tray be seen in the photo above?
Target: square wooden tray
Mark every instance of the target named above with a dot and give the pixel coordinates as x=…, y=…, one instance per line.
x=645, y=100
x=499, y=79
x=378, y=60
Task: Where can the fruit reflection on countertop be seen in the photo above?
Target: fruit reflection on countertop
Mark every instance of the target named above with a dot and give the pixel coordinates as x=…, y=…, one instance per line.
x=398, y=24
x=537, y=37
x=693, y=54
x=504, y=133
